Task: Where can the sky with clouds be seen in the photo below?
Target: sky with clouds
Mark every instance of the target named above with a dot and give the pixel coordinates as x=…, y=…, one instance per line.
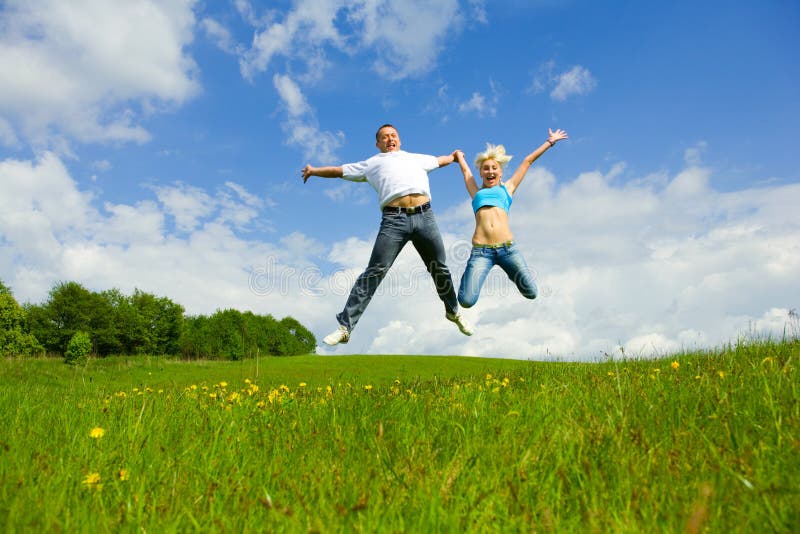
x=158, y=145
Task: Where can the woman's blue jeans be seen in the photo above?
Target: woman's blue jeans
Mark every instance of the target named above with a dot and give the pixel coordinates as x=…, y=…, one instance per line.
x=482, y=259
x=396, y=230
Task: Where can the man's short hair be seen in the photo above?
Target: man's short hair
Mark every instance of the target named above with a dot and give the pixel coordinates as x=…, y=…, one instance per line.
x=378, y=133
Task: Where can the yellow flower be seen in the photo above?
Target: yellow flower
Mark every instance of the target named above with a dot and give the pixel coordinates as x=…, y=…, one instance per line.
x=302, y=384
x=368, y=387
x=223, y=384
x=123, y=474
x=92, y=481
x=675, y=365
x=722, y=374
x=96, y=433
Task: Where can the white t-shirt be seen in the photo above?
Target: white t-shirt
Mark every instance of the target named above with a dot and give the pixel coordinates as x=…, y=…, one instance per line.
x=393, y=174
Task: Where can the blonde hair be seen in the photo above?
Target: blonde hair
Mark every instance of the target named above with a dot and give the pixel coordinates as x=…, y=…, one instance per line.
x=495, y=152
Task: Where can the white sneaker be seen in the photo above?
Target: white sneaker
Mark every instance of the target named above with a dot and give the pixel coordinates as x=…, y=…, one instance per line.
x=461, y=323
x=340, y=335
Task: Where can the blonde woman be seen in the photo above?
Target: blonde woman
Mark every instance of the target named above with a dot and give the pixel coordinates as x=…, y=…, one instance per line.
x=492, y=242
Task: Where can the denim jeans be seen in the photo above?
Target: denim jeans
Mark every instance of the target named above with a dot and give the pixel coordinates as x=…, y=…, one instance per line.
x=396, y=230
x=481, y=261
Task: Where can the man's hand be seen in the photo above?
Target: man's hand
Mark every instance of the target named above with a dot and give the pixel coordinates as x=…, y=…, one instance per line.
x=307, y=172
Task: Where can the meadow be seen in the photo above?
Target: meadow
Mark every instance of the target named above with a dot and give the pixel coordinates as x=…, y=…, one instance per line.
x=693, y=442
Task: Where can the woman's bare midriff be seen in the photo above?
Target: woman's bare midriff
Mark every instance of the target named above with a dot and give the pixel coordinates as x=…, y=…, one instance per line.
x=491, y=226
x=409, y=201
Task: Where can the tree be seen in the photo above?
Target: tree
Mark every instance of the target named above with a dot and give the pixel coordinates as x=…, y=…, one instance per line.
x=78, y=348
x=159, y=322
x=69, y=309
x=304, y=340
x=15, y=339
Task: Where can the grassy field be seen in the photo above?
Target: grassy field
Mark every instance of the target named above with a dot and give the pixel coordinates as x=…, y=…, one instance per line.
x=706, y=442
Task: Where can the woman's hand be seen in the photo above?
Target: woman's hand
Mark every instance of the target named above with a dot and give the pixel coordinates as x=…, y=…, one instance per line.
x=553, y=137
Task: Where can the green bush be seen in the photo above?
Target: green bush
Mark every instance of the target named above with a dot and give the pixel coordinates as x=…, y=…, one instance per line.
x=79, y=347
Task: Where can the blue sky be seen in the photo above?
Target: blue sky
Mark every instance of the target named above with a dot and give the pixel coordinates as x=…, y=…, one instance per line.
x=158, y=145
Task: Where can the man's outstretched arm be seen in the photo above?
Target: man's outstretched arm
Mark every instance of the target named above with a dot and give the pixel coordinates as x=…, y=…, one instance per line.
x=448, y=159
x=322, y=172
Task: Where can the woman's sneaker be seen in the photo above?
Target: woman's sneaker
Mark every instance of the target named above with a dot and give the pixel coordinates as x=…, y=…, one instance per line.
x=461, y=323
x=340, y=335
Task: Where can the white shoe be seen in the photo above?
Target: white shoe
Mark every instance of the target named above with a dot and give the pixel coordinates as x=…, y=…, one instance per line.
x=340, y=335
x=461, y=323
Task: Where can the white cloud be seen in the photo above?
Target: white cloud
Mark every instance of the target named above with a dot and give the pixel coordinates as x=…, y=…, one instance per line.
x=478, y=11
x=576, y=81
x=302, y=126
x=405, y=37
x=291, y=95
x=479, y=105
x=187, y=204
x=219, y=34
x=81, y=68
x=101, y=165
x=693, y=155
x=562, y=85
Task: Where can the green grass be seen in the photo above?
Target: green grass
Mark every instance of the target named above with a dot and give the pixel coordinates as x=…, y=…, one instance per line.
x=705, y=442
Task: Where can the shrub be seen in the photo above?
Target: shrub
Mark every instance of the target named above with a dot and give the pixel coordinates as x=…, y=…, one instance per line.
x=80, y=345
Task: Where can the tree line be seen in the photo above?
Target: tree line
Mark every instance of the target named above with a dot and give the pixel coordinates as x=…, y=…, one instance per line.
x=141, y=323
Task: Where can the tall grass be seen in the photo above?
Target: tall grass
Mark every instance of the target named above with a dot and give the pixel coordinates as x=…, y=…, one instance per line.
x=702, y=442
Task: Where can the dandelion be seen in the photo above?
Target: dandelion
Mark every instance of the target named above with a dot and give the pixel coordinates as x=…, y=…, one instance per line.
x=302, y=384
x=368, y=387
x=722, y=374
x=96, y=433
x=610, y=373
x=92, y=481
x=284, y=388
x=675, y=365
x=123, y=474
x=223, y=385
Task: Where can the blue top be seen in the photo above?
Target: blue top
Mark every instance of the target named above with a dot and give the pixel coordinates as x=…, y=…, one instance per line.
x=496, y=196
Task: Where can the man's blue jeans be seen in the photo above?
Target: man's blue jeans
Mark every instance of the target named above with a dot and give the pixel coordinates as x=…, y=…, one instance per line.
x=481, y=261
x=396, y=230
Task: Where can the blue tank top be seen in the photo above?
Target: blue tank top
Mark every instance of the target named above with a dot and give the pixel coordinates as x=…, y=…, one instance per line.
x=496, y=196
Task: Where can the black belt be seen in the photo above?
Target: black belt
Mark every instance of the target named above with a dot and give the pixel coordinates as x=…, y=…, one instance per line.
x=407, y=211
